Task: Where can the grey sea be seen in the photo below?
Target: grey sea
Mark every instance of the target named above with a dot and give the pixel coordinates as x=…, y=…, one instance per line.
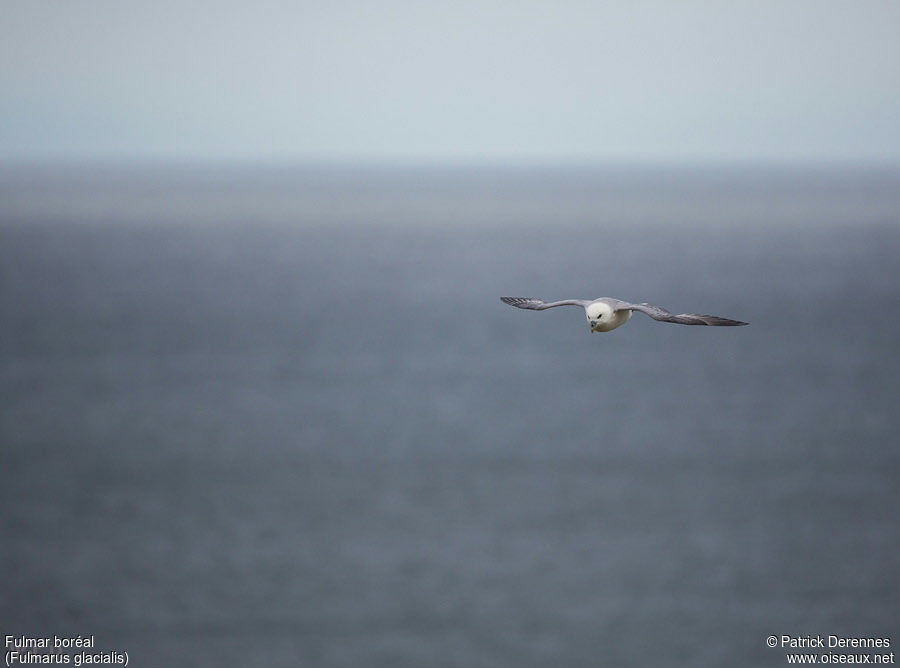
x=278, y=416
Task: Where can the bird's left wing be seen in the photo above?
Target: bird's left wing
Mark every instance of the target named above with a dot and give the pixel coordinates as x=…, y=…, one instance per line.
x=533, y=304
x=661, y=314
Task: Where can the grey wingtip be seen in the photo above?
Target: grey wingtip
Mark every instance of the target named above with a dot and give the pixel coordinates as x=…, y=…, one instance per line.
x=717, y=321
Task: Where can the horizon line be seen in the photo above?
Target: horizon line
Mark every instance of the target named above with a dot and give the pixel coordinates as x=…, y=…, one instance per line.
x=443, y=162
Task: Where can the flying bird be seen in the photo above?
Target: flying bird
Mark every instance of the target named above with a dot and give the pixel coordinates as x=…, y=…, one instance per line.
x=604, y=314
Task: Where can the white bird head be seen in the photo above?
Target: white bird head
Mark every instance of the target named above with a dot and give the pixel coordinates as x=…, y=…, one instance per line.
x=599, y=316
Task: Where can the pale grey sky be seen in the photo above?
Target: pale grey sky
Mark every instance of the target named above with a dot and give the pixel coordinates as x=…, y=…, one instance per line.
x=468, y=80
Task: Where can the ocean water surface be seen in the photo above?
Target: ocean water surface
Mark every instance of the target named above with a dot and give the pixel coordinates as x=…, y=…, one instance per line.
x=280, y=416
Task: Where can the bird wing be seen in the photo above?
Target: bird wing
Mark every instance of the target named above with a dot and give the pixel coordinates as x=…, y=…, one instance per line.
x=661, y=314
x=533, y=304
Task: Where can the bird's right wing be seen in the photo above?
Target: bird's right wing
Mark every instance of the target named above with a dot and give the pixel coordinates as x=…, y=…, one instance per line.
x=533, y=304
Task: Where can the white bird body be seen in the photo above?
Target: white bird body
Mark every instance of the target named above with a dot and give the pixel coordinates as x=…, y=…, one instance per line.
x=603, y=318
x=605, y=314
